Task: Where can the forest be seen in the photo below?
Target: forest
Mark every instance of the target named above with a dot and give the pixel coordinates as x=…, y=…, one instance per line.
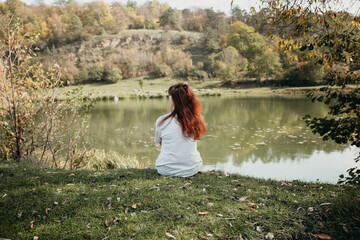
x=98, y=42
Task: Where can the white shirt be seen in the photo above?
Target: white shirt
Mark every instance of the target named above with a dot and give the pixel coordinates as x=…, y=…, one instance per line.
x=179, y=155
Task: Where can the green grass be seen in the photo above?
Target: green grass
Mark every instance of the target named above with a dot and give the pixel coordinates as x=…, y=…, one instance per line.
x=140, y=204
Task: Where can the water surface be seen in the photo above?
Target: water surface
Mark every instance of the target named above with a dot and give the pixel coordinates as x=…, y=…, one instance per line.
x=256, y=136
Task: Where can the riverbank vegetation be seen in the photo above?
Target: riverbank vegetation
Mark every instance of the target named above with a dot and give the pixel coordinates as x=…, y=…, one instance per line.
x=140, y=204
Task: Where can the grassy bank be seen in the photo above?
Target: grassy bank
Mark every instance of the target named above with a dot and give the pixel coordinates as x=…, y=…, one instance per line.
x=139, y=204
x=157, y=88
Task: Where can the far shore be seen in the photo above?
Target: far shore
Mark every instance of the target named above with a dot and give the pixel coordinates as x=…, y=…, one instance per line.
x=157, y=88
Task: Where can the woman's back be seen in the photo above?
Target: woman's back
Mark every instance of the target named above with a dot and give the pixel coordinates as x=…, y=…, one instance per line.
x=178, y=131
x=179, y=155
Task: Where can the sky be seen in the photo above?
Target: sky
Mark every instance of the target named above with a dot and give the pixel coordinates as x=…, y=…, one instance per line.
x=222, y=5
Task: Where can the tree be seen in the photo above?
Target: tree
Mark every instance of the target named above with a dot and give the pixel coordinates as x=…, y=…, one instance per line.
x=227, y=64
x=267, y=66
x=13, y=5
x=327, y=37
x=32, y=123
x=168, y=18
x=248, y=42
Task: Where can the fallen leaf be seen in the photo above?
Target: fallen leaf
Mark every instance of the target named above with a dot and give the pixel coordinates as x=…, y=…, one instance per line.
x=229, y=218
x=286, y=184
x=133, y=206
x=310, y=209
x=243, y=199
x=70, y=184
x=251, y=204
x=46, y=211
x=269, y=236
x=321, y=236
x=312, y=193
x=33, y=190
x=71, y=174
x=204, y=213
x=32, y=224
x=239, y=185
x=207, y=199
x=324, y=204
x=210, y=204
x=208, y=234
x=56, y=203
x=145, y=198
x=106, y=222
x=35, y=238
x=4, y=196
x=170, y=235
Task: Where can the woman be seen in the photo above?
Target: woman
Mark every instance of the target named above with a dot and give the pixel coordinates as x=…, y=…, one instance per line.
x=178, y=132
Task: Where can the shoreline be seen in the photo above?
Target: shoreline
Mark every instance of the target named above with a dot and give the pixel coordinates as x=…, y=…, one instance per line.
x=157, y=89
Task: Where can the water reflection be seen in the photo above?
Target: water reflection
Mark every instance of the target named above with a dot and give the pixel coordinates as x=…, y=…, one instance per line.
x=263, y=137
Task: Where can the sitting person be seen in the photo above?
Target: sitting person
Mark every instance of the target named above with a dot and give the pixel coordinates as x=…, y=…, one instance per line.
x=178, y=132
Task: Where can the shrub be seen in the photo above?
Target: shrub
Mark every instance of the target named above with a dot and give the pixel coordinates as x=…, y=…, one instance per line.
x=227, y=64
x=129, y=69
x=111, y=73
x=161, y=70
x=200, y=75
x=95, y=72
x=81, y=76
x=178, y=61
x=305, y=73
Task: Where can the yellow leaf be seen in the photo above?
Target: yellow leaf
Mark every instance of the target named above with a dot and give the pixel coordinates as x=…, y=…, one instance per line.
x=243, y=199
x=133, y=206
x=204, y=213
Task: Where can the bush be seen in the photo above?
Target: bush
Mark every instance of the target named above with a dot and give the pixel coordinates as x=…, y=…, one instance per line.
x=161, y=70
x=226, y=65
x=304, y=74
x=129, y=69
x=114, y=75
x=95, y=72
x=178, y=61
x=111, y=73
x=200, y=75
x=81, y=76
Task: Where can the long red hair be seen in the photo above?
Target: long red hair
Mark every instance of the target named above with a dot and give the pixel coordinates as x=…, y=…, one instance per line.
x=187, y=110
